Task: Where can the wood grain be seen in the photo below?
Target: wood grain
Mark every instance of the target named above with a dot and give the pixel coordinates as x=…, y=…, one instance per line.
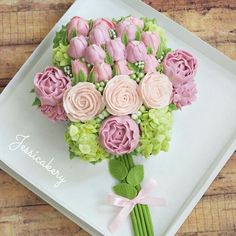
x=23, y=24
x=198, y=5
x=26, y=27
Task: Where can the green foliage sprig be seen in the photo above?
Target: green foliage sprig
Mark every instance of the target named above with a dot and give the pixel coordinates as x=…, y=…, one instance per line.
x=61, y=37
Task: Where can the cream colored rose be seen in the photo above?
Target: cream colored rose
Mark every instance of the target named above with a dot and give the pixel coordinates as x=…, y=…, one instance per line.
x=121, y=96
x=82, y=102
x=155, y=90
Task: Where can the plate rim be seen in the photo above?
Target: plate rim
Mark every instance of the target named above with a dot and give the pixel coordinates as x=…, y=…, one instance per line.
x=192, y=40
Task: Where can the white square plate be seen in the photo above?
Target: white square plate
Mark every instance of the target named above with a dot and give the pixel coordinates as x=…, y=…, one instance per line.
x=203, y=138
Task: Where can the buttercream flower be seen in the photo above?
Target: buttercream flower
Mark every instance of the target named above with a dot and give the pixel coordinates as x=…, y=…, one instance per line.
x=184, y=94
x=116, y=49
x=134, y=20
x=102, y=72
x=156, y=90
x=78, y=66
x=180, y=66
x=121, y=96
x=150, y=63
x=99, y=35
x=83, y=142
x=60, y=56
x=50, y=86
x=79, y=25
x=126, y=28
x=54, y=113
x=152, y=40
x=136, y=51
x=94, y=54
x=155, y=129
x=82, y=102
x=104, y=22
x=77, y=47
x=151, y=25
x=119, y=135
x=122, y=68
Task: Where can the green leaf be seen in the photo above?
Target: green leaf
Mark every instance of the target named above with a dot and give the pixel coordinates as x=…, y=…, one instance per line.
x=82, y=77
x=125, y=190
x=103, y=46
x=75, y=79
x=91, y=77
x=32, y=90
x=160, y=68
x=117, y=169
x=147, y=21
x=133, y=67
x=114, y=72
x=136, y=175
x=109, y=59
x=160, y=50
x=172, y=107
x=167, y=50
x=74, y=33
x=95, y=162
x=149, y=50
x=114, y=20
x=72, y=156
x=90, y=22
x=61, y=37
x=119, y=20
x=125, y=39
x=138, y=35
x=36, y=102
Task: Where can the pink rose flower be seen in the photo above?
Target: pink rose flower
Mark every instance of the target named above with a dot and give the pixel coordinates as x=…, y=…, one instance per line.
x=122, y=68
x=136, y=51
x=50, y=86
x=82, y=102
x=119, y=135
x=126, y=28
x=54, y=113
x=104, y=22
x=78, y=66
x=102, y=72
x=184, y=94
x=116, y=49
x=180, y=66
x=150, y=63
x=155, y=90
x=94, y=54
x=121, y=96
x=99, y=35
x=79, y=24
x=77, y=47
x=152, y=40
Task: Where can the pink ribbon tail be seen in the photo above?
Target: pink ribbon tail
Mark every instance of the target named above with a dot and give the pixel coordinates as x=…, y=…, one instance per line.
x=128, y=205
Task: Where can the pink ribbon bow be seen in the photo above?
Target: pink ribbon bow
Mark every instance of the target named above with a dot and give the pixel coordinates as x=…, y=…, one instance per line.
x=128, y=204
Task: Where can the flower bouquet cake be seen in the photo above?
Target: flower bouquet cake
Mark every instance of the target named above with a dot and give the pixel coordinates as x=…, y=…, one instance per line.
x=116, y=84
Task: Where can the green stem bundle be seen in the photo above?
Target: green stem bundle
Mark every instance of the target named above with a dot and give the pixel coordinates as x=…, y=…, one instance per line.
x=140, y=216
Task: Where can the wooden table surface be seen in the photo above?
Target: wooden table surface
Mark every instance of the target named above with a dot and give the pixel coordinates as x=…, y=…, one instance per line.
x=23, y=24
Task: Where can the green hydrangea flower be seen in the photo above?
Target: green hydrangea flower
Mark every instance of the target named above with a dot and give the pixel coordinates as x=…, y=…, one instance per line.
x=151, y=25
x=156, y=127
x=82, y=139
x=60, y=57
